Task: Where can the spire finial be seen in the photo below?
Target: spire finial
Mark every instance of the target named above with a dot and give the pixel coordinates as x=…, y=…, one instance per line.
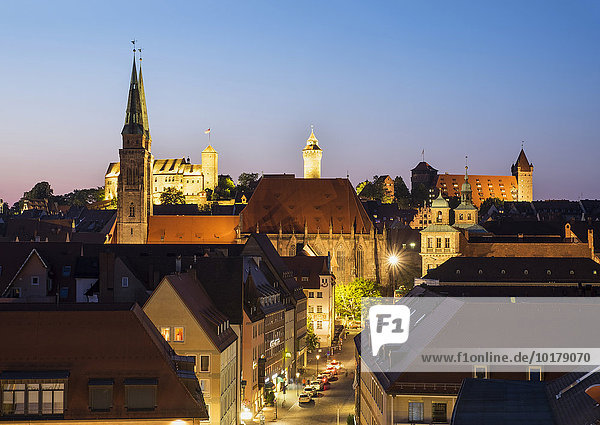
x=423, y=154
x=466, y=167
x=522, y=144
x=134, y=48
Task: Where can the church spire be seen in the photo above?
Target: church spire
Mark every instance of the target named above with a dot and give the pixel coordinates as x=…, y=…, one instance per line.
x=133, y=113
x=143, y=102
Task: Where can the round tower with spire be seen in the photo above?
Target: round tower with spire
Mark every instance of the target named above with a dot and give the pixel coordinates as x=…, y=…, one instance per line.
x=312, y=155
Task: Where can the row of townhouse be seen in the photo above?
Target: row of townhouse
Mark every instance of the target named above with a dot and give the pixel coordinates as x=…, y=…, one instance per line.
x=237, y=310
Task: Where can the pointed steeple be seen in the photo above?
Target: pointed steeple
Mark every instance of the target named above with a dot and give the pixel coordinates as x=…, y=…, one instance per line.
x=133, y=113
x=312, y=143
x=143, y=103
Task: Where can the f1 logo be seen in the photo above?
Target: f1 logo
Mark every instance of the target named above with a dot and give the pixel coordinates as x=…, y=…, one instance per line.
x=389, y=324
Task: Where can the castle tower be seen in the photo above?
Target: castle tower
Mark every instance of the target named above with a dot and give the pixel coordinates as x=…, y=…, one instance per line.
x=466, y=212
x=523, y=171
x=312, y=154
x=134, y=187
x=210, y=170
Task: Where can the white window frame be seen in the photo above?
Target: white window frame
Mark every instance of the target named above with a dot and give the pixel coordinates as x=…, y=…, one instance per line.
x=206, y=390
x=480, y=366
x=124, y=282
x=35, y=281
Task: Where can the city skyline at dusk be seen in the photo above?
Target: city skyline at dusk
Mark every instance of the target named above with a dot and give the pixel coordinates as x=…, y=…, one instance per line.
x=381, y=83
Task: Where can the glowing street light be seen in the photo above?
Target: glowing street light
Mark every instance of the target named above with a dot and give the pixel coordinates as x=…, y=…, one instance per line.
x=317, y=366
x=393, y=260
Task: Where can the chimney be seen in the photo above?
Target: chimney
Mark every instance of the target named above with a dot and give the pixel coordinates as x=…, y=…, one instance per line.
x=178, y=264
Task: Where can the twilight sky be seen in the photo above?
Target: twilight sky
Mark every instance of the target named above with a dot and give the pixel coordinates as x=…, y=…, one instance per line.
x=380, y=80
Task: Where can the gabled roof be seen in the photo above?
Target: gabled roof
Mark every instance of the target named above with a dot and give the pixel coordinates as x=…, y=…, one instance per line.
x=206, y=313
x=100, y=340
x=193, y=229
x=500, y=402
x=517, y=269
x=293, y=203
x=310, y=268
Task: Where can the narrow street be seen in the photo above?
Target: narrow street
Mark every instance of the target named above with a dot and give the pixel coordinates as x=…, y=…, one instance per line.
x=324, y=409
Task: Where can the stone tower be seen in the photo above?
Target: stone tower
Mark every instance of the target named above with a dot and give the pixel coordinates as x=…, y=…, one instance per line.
x=134, y=187
x=312, y=154
x=523, y=171
x=440, y=210
x=210, y=161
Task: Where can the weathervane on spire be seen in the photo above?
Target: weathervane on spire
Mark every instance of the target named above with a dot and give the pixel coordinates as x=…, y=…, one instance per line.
x=466, y=167
x=134, y=48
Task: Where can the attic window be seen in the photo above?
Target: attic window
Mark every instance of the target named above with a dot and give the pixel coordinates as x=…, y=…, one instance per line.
x=503, y=271
x=571, y=272
x=595, y=271
x=548, y=272
x=480, y=271
x=525, y=271
x=457, y=271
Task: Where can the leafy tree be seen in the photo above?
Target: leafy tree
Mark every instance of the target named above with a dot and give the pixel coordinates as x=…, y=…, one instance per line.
x=225, y=187
x=172, y=196
x=350, y=419
x=41, y=190
x=419, y=195
x=348, y=297
x=82, y=197
x=209, y=194
x=247, y=182
x=485, y=205
x=401, y=193
x=371, y=189
x=312, y=340
x=454, y=202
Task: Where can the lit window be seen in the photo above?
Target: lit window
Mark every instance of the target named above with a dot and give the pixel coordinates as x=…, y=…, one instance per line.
x=66, y=271
x=311, y=294
x=178, y=334
x=438, y=242
x=447, y=243
x=166, y=333
x=415, y=411
x=311, y=309
x=319, y=324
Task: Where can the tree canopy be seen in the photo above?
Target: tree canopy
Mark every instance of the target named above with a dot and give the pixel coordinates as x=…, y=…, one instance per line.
x=172, y=196
x=247, y=182
x=41, y=190
x=225, y=188
x=348, y=297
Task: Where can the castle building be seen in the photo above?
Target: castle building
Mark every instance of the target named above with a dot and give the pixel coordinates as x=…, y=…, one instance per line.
x=134, y=182
x=518, y=187
x=312, y=155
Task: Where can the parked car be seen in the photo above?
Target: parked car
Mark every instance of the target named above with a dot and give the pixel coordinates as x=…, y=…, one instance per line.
x=310, y=390
x=335, y=364
x=304, y=398
x=323, y=377
x=318, y=385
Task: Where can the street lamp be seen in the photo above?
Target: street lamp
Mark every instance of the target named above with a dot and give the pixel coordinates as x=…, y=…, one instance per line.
x=297, y=380
x=317, y=366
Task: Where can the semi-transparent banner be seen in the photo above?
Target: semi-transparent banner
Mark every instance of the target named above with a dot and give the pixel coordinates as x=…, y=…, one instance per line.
x=479, y=335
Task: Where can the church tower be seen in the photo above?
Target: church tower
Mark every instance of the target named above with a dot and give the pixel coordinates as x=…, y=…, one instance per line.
x=523, y=171
x=312, y=154
x=466, y=213
x=134, y=187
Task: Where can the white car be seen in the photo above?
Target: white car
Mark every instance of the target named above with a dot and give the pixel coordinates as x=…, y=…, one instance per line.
x=310, y=390
x=304, y=398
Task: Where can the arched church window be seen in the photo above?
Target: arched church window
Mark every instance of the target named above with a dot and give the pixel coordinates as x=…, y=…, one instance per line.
x=339, y=257
x=131, y=210
x=359, y=262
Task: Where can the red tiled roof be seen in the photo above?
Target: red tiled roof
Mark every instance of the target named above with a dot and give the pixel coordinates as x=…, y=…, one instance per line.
x=482, y=187
x=171, y=229
x=291, y=202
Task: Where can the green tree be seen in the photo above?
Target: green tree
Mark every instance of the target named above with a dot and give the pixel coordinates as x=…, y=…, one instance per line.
x=247, y=182
x=41, y=190
x=82, y=197
x=485, y=205
x=401, y=193
x=225, y=187
x=348, y=297
x=371, y=189
x=312, y=340
x=419, y=195
x=172, y=196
